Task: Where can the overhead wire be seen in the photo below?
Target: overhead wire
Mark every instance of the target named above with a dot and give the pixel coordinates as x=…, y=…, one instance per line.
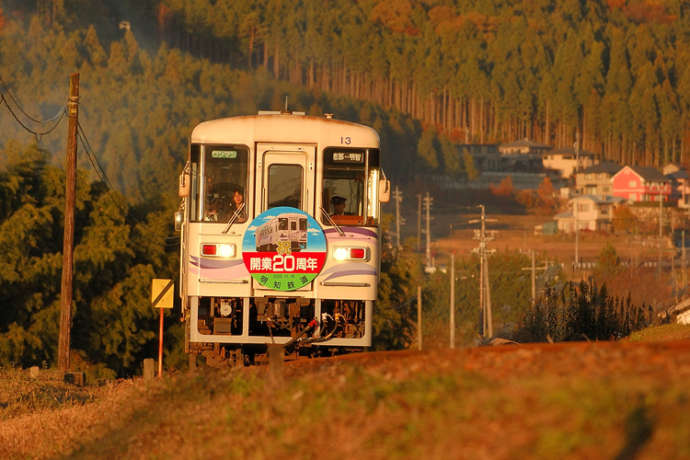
x=57, y=119
x=97, y=166
x=5, y=89
x=61, y=115
x=92, y=156
x=5, y=93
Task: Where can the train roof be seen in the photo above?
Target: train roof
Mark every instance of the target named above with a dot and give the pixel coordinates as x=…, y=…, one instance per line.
x=285, y=128
x=288, y=214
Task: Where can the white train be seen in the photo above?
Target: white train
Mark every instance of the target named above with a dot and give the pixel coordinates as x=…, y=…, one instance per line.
x=289, y=228
x=244, y=174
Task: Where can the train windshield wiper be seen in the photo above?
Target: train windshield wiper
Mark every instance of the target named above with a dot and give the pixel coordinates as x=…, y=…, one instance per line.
x=332, y=222
x=234, y=217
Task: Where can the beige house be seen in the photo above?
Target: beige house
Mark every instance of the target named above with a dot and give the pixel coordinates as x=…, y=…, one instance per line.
x=565, y=161
x=681, y=311
x=680, y=184
x=523, y=147
x=590, y=212
x=596, y=179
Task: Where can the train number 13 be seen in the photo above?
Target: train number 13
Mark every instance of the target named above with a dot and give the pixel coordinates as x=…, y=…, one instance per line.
x=347, y=140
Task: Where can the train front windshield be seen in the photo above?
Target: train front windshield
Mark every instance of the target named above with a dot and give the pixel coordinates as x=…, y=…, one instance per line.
x=222, y=183
x=344, y=185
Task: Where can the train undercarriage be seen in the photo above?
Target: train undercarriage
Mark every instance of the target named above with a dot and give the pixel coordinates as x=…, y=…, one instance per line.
x=302, y=327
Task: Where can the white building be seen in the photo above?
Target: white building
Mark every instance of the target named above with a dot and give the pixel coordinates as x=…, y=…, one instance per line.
x=591, y=212
x=565, y=161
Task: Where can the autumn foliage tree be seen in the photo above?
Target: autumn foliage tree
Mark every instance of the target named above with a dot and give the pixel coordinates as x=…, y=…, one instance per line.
x=541, y=201
x=504, y=188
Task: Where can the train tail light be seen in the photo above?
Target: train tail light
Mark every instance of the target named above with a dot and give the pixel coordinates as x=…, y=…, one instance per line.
x=351, y=254
x=225, y=251
x=357, y=253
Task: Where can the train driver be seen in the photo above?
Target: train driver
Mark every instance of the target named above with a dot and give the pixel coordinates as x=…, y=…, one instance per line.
x=237, y=201
x=338, y=203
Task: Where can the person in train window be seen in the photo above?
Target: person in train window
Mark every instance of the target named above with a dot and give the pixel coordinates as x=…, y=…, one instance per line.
x=338, y=203
x=236, y=203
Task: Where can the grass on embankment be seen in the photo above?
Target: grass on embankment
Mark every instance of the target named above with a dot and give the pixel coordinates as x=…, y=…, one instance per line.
x=584, y=401
x=661, y=333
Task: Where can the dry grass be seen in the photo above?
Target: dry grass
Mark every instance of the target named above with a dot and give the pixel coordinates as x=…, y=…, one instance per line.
x=42, y=418
x=662, y=333
x=516, y=232
x=539, y=401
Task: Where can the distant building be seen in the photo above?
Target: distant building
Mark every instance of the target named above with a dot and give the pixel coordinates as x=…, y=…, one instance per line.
x=681, y=311
x=524, y=156
x=565, y=161
x=486, y=156
x=680, y=184
x=636, y=184
x=524, y=147
x=589, y=213
x=671, y=168
x=596, y=179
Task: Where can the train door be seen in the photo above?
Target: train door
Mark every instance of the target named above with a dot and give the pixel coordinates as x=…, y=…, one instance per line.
x=286, y=177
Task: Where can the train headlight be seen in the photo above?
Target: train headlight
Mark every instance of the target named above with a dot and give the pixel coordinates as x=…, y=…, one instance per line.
x=226, y=250
x=351, y=254
x=341, y=253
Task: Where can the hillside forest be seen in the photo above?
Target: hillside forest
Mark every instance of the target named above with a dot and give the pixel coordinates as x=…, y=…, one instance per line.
x=427, y=75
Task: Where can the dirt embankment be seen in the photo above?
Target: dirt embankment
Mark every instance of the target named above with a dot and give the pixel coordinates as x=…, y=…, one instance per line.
x=571, y=400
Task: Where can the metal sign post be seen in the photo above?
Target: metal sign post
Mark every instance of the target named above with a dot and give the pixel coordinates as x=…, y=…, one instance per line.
x=161, y=298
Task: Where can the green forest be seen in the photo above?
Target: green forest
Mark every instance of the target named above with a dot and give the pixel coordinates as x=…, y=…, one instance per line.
x=427, y=75
x=478, y=71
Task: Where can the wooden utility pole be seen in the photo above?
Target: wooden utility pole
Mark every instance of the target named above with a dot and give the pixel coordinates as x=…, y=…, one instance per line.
x=427, y=205
x=484, y=285
x=534, y=281
x=489, y=331
x=661, y=214
x=397, y=196
x=419, y=221
x=419, y=317
x=684, y=278
x=661, y=222
x=452, y=300
x=68, y=240
x=577, y=223
x=533, y=268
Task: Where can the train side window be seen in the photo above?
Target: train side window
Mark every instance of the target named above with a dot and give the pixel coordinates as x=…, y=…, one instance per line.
x=194, y=159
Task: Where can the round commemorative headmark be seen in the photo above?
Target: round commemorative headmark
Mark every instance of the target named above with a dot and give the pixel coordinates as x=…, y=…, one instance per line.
x=284, y=249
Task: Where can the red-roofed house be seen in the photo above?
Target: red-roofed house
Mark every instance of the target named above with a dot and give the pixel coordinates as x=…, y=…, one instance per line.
x=636, y=183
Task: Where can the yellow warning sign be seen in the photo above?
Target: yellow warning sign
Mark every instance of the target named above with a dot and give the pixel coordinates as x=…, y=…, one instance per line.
x=162, y=293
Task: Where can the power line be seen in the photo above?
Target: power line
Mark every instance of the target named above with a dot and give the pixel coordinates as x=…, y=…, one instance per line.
x=58, y=119
x=6, y=90
x=92, y=157
x=61, y=115
x=96, y=165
